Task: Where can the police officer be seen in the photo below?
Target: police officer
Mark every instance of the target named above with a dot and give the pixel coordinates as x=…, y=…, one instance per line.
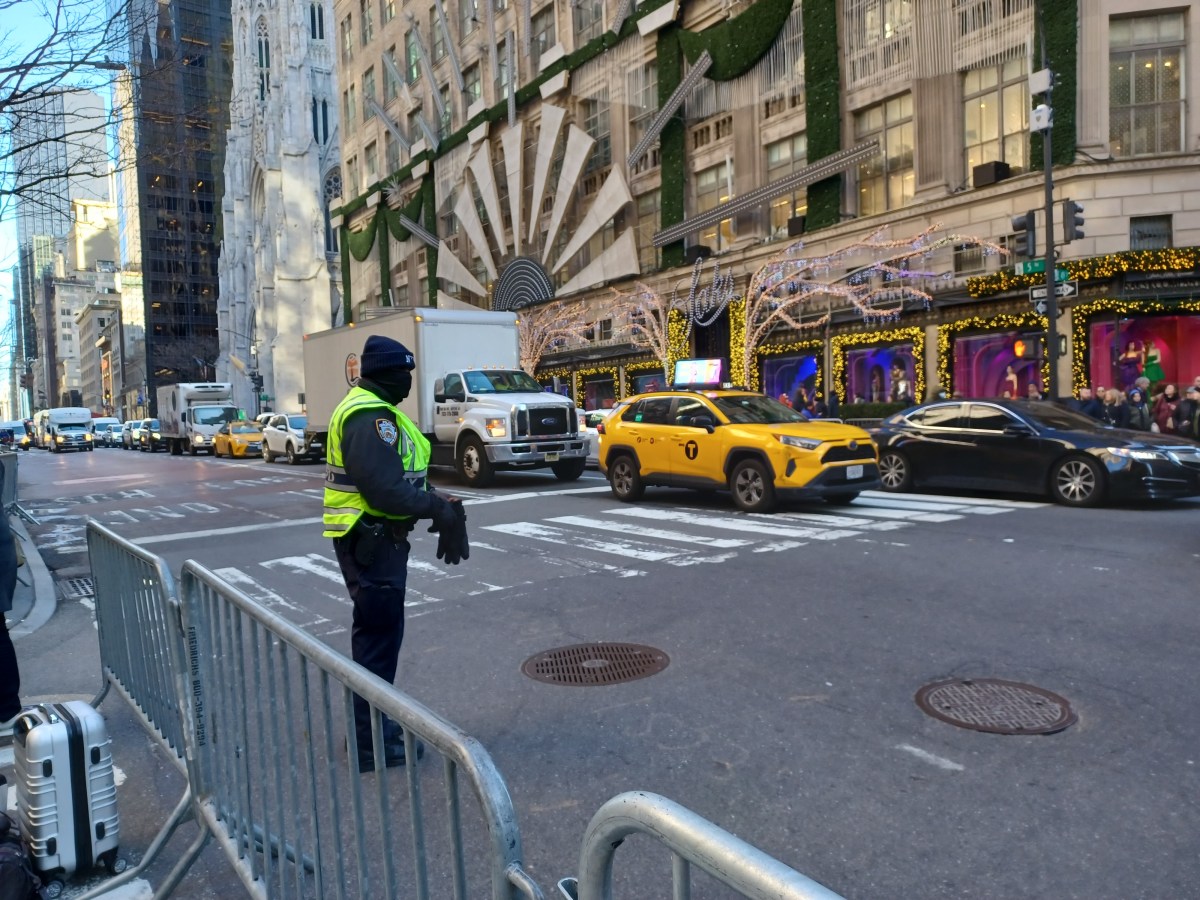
x=375, y=490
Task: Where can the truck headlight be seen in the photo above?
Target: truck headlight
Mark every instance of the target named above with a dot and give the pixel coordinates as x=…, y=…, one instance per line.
x=197, y=439
x=88, y=437
x=802, y=442
x=156, y=436
x=496, y=427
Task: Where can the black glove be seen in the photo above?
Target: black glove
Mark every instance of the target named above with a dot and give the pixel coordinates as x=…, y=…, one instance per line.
x=461, y=545
x=446, y=548
x=443, y=515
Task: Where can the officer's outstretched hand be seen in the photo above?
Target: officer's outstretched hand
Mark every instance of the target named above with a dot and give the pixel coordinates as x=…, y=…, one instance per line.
x=443, y=515
x=462, y=545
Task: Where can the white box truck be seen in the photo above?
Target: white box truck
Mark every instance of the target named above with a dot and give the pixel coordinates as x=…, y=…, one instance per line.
x=69, y=428
x=191, y=413
x=470, y=398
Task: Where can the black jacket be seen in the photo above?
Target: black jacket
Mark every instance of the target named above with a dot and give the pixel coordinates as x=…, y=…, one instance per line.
x=1115, y=414
x=371, y=459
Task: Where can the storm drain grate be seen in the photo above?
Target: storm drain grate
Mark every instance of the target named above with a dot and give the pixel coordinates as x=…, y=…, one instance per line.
x=595, y=664
x=996, y=706
x=77, y=588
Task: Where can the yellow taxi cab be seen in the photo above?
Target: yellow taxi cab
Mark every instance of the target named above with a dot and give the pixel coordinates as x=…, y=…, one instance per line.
x=758, y=449
x=238, y=439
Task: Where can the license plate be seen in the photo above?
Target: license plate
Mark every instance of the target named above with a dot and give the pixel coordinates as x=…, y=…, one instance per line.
x=551, y=457
x=853, y=472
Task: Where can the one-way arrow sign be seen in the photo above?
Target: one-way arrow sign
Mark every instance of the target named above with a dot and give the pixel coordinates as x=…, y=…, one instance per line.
x=1062, y=289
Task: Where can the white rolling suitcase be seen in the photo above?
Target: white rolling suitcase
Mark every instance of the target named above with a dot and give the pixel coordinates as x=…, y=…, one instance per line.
x=66, y=796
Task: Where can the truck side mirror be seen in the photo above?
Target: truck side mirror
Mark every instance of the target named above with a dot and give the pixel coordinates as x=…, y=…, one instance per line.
x=439, y=395
x=183, y=417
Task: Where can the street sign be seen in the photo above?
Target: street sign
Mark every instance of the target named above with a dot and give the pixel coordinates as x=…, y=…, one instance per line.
x=1062, y=289
x=1037, y=267
x=1041, y=307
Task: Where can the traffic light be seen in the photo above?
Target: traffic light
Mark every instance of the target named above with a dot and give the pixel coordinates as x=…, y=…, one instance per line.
x=1025, y=238
x=1072, y=220
x=256, y=380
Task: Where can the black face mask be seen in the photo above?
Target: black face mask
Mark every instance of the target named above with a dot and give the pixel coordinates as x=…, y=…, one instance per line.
x=393, y=384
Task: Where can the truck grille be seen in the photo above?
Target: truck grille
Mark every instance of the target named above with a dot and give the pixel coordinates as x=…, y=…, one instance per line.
x=537, y=421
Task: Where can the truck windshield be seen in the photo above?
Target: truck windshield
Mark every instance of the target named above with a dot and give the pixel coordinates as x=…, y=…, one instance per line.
x=755, y=409
x=501, y=381
x=214, y=415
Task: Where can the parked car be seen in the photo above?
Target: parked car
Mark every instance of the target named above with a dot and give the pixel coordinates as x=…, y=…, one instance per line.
x=736, y=440
x=131, y=437
x=1033, y=447
x=150, y=437
x=284, y=436
x=588, y=422
x=100, y=426
x=113, y=435
x=237, y=439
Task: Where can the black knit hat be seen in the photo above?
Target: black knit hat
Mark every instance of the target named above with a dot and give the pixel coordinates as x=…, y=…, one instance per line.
x=382, y=353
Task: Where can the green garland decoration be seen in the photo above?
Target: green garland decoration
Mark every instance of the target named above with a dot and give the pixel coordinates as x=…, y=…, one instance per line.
x=1003, y=322
x=1092, y=268
x=672, y=143
x=361, y=242
x=428, y=195
x=1083, y=314
x=823, y=107
x=914, y=335
x=410, y=210
x=1061, y=22
x=385, y=260
x=738, y=43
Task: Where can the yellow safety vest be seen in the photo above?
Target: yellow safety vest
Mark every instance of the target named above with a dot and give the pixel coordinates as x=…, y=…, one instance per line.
x=344, y=505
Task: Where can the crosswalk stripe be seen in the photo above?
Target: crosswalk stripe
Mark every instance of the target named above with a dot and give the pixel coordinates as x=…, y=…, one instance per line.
x=866, y=508
x=740, y=523
x=660, y=533
x=833, y=521
x=312, y=563
x=895, y=502
x=627, y=549
x=961, y=501
x=254, y=590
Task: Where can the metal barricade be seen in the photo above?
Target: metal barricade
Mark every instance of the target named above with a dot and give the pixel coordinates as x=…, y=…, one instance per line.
x=692, y=840
x=279, y=785
x=142, y=659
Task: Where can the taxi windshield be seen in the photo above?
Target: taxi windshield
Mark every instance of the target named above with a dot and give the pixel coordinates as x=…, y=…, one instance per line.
x=754, y=409
x=243, y=428
x=501, y=381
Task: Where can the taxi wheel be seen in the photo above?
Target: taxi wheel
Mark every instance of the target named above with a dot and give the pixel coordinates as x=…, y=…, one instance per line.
x=895, y=471
x=751, y=486
x=625, y=479
x=474, y=467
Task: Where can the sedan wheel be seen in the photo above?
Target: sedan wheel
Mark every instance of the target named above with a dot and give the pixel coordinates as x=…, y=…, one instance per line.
x=752, y=488
x=268, y=456
x=895, y=474
x=625, y=479
x=292, y=458
x=1077, y=481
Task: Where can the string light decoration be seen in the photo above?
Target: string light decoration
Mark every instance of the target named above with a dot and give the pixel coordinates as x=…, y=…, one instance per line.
x=914, y=335
x=1092, y=268
x=1083, y=314
x=1004, y=322
x=789, y=283
x=737, y=339
x=547, y=327
x=584, y=374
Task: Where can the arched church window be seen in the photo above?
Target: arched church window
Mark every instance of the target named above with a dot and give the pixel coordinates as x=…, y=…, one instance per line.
x=333, y=191
x=264, y=59
x=316, y=21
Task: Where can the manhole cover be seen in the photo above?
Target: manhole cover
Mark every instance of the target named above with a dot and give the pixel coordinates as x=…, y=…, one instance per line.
x=77, y=588
x=593, y=664
x=996, y=706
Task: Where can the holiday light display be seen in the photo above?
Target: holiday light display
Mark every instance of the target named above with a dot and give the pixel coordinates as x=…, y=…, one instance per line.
x=543, y=328
x=1004, y=322
x=843, y=342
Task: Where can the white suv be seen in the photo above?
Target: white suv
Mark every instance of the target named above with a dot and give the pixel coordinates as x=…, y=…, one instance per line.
x=283, y=435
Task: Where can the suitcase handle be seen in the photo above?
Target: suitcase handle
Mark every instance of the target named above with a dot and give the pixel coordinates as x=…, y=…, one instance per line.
x=26, y=722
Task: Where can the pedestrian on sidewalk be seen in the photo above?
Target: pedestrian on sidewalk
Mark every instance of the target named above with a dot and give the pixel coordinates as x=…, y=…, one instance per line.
x=10, y=676
x=375, y=490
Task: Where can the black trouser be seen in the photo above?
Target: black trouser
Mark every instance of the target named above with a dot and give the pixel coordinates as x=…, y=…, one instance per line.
x=377, y=590
x=10, y=677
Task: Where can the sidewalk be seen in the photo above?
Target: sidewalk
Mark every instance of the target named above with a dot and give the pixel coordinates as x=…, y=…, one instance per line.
x=59, y=658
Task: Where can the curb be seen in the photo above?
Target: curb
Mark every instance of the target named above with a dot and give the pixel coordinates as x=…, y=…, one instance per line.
x=45, y=596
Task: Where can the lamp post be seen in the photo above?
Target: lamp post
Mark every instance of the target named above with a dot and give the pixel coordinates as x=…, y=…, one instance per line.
x=1042, y=119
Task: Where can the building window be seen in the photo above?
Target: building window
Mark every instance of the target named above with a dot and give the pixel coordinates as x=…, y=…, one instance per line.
x=316, y=21
x=349, y=107
x=589, y=20
x=714, y=186
x=324, y=121
x=391, y=87
x=783, y=158
x=468, y=17
x=347, y=40
x=444, y=121
x=996, y=116
x=412, y=57
x=391, y=152
x=472, y=84
x=541, y=34
x=366, y=20
x=1150, y=232
x=352, y=177
x=886, y=181
x=968, y=259
x=1145, y=85
x=642, y=94
x=264, y=59
x=501, y=70
x=371, y=162
x=596, y=124
x=648, y=206
x=439, y=36
x=368, y=88
x=387, y=11
x=333, y=191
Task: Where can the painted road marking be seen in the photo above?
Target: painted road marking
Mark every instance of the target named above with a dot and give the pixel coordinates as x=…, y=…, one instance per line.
x=660, y=533
x=940, y=761
x=733, y=523
x=551, y=535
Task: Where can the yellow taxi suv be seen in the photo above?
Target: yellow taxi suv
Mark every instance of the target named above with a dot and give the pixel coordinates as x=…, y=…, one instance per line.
x=238, y=439
x=736, y=440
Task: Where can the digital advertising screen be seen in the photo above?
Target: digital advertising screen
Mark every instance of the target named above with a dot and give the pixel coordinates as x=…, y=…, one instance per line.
x=699, y=371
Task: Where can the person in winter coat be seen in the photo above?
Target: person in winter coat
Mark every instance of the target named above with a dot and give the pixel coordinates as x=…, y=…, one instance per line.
x=1114, y=412
x=1140, y=416
x=1164, y=410
x=1186, y=412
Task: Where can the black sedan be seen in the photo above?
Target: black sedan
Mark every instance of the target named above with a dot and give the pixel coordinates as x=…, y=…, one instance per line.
x=1031, y=447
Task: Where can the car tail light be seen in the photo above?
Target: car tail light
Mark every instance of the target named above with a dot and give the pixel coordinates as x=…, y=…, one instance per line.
x=599, y=428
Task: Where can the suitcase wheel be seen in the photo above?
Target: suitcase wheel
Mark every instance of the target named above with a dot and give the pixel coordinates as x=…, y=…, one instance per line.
x=117, y=866
x=54, y=889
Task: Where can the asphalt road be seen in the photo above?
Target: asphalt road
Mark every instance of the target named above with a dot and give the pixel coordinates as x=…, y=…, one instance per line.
x=796, y=641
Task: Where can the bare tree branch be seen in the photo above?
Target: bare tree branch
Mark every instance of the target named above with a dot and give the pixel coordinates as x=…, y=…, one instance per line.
x=543, y=328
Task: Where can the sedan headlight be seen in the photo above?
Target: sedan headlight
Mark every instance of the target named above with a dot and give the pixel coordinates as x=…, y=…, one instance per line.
x=802, y=442
x=59, y=439
x=496, y=427
x=1129, y=453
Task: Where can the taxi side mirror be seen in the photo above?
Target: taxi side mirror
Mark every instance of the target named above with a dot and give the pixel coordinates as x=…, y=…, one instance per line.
x=708, y=423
